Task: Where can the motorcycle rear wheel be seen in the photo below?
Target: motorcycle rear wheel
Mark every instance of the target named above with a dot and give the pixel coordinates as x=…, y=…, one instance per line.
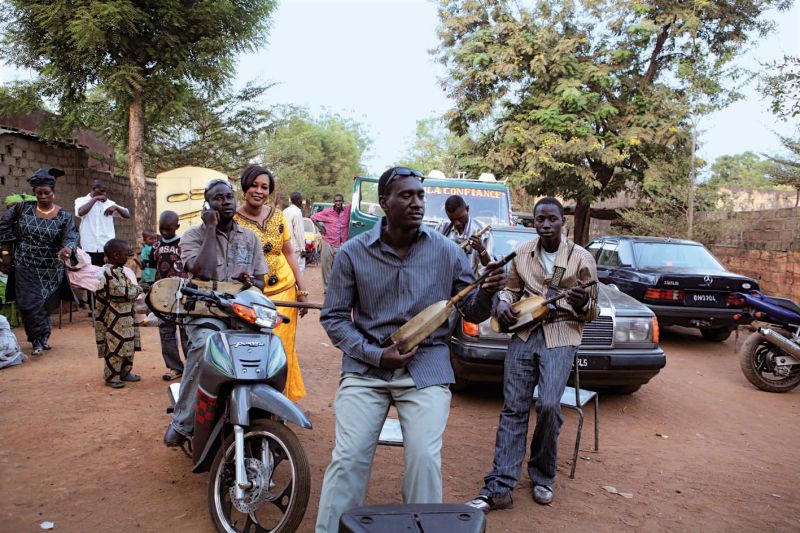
x=754, y=360
x=287, y=491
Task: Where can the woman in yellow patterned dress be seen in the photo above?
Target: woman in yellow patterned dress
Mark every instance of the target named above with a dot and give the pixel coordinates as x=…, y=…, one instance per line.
x=283, y=281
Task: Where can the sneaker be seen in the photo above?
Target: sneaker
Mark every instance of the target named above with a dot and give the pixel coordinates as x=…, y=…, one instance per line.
x=130, y=376
x=172, y=374
x=115, y=384
x=542, y=494
x=488, y=503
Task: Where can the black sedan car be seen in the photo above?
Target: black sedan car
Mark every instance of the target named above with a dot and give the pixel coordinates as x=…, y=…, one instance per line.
x=681, y=281
x=619, y=349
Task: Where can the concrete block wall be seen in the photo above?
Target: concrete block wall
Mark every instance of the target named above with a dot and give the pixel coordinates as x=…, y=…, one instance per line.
x=21, y=155
x=764, y=245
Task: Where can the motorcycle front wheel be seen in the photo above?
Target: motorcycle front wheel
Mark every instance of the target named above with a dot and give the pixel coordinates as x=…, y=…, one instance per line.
x=756, y=361
x=277, y=468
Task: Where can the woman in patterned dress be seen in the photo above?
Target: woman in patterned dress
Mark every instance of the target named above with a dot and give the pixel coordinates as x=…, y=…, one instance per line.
x=283, y=281
x=45, y=236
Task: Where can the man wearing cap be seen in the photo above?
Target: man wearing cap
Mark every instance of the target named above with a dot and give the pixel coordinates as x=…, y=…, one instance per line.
x=219, y=236
x=333, y=224
x=97, y=213
x=382, y=279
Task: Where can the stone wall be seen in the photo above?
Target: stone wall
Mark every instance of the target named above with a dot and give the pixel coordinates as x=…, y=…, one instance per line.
x=21, y=154
x=764, y=245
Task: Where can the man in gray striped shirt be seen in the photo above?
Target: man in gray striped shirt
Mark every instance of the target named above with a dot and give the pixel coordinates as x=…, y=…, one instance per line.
x=380, y=280
x=541, y=354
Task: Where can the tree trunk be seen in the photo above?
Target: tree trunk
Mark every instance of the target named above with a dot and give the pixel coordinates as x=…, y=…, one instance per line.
x=136, y=163
x=582, y=222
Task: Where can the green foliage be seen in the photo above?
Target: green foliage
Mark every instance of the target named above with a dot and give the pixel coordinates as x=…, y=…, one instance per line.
x=585, y=97
x=781, y=83
x=157, y=49
x=434, y=147
x=785, y=170
x=746, y=170
x=317, y=157
x=221, y=132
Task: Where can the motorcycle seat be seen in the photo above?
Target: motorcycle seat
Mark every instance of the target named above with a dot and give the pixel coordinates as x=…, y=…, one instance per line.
x=787, y=304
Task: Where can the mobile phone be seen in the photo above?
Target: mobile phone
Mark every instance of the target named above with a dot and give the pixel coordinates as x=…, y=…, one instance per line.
x=206, y=206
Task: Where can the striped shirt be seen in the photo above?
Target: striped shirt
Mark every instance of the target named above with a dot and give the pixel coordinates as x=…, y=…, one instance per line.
x=527, y=276
x=473, y=226
x=372, y=292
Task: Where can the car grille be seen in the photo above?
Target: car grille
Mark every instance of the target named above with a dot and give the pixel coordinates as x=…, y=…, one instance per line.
x=598, y=333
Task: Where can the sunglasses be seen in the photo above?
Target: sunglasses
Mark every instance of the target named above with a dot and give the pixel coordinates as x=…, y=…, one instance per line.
x=403, y=172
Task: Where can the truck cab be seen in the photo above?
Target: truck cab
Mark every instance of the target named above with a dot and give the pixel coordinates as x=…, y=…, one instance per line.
x=489, y=201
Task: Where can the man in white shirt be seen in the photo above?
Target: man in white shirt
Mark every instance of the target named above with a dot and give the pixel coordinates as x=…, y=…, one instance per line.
x=294, y=217
x=97, y=214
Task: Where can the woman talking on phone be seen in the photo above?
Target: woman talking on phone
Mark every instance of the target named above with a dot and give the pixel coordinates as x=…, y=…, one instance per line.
x=283, y=281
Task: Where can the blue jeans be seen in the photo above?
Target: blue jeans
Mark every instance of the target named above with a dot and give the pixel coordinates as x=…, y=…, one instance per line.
x=183, y=415
x=528, y=364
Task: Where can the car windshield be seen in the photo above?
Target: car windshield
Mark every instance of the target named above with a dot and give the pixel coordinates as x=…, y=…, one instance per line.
x=488, y=206
x=505, y=241
x=674, y=255
x=308, y=225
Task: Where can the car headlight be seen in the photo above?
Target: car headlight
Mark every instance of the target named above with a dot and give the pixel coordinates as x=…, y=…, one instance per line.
x=633, y=329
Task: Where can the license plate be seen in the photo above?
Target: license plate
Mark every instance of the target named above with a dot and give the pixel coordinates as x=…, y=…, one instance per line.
x=702, y=300
x=592, y=363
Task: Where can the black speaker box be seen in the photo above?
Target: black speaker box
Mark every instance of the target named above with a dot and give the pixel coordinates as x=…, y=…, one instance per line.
x=414, y=518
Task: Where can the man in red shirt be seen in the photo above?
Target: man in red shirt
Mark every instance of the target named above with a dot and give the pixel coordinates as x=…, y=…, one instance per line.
x=336, y=221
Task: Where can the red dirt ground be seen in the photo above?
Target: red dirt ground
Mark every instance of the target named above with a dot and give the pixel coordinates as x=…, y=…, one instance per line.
x=88, y=458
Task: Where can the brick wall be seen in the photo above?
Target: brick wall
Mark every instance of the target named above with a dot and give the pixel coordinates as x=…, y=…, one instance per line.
x=764, y=245
x=22, y=154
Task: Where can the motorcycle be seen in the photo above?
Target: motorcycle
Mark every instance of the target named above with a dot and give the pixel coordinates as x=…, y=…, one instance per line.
x=259, y=476
x=770, y=357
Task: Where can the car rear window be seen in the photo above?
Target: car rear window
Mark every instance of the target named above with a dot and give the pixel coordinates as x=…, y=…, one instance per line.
x=673, y=255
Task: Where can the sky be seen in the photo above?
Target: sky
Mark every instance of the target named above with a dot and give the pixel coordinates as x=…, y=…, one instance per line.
x=370, y=61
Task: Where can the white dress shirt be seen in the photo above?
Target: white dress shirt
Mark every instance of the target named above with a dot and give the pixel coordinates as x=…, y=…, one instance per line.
x=96, y=227
x=294, y=217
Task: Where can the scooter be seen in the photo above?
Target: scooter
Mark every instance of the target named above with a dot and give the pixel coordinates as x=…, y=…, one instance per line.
x=259, y=474
x=770, y=357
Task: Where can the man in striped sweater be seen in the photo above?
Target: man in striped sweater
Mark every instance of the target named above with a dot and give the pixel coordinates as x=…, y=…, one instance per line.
x=541, y=354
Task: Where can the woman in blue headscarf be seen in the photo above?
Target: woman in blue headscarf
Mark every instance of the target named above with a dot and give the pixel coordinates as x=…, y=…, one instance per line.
x=44, y=236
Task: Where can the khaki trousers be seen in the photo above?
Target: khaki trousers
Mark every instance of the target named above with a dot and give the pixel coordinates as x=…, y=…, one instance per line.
x=328, y=255
x=361, y=406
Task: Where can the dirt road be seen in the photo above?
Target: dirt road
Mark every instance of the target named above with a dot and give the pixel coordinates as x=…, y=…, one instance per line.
x=87, y=458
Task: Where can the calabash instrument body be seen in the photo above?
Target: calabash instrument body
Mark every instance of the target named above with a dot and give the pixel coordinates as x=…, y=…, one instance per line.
x=532, y=310
x=164, y=297
x=424, y=323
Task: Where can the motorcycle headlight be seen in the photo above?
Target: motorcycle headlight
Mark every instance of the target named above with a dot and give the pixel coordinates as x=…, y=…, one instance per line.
x=258, y=315
x=277, y=356
x=633, y=330
x=266, y=317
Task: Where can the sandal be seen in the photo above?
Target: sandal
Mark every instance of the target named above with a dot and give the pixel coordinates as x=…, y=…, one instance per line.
x=37, y=350
x=172, y=374
x=115, y=384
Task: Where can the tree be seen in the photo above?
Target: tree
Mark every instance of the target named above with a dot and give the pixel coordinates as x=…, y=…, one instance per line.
x=785, y=170
x=586, y=98
x=746, y=170
x=317, y=157
x=221, y=132
x=781, y=83
x=434, y=147
x=140, y=55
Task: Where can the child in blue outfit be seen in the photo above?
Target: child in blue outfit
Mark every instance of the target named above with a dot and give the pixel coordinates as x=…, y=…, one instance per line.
x=146, y=259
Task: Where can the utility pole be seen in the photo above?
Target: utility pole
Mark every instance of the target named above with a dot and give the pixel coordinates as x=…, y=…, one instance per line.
x=692, y=179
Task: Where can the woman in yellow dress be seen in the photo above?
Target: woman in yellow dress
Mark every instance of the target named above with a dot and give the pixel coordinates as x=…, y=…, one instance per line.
x=283, y=281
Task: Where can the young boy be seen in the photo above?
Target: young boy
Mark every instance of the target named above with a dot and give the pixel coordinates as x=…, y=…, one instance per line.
x=115, y=329
x=167, y=261
x=146, y=260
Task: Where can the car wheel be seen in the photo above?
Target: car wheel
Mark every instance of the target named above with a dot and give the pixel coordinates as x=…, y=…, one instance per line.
x=625, y=389
x=716, y=334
